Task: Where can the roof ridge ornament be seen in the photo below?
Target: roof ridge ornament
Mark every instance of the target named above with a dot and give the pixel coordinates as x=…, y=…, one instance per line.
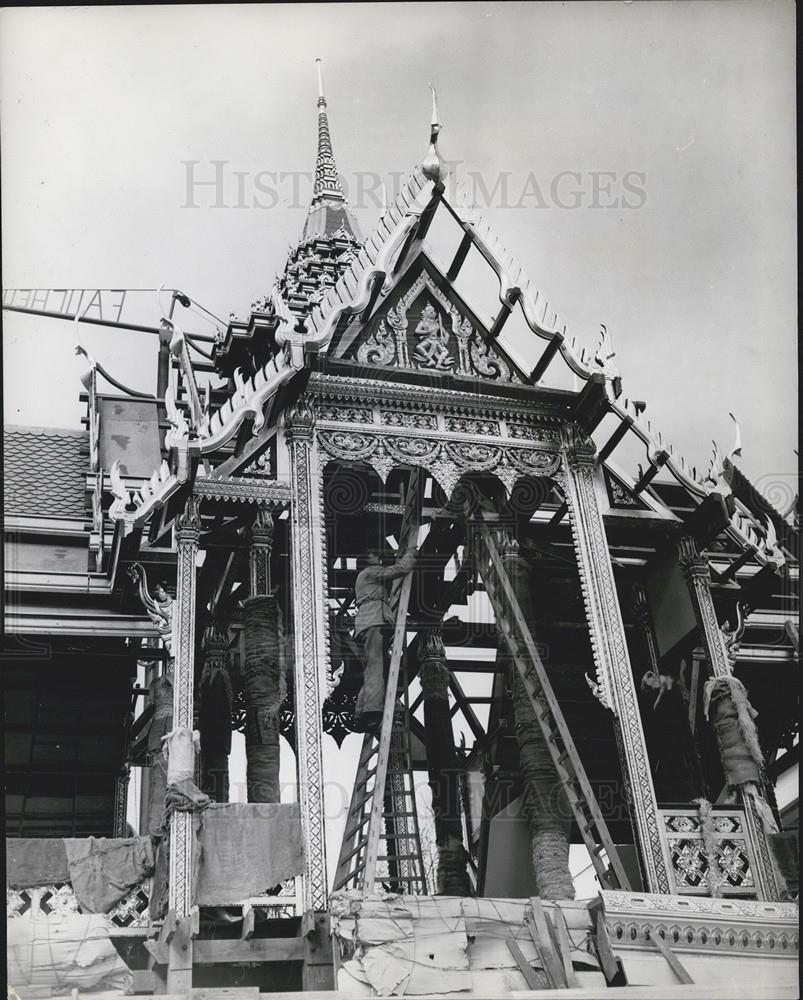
x=432, y=166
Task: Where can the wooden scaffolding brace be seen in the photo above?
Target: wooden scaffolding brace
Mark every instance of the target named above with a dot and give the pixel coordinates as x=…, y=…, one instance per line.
x=518, y=638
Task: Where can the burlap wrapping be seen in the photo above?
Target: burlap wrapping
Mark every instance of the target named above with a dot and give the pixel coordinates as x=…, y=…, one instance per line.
x=732, y=716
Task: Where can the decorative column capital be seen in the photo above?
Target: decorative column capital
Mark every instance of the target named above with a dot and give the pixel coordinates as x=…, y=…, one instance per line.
x=578, y=448
x=188, y=522
x=693, y=565
x=262, y=531
x=263, y=528
x=434, y=672
x=299, y=421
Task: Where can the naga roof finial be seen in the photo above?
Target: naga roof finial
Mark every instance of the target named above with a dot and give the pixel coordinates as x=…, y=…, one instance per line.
x=433, y=166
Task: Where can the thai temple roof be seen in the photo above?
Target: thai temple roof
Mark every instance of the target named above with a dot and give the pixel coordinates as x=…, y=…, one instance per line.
x=44, y=471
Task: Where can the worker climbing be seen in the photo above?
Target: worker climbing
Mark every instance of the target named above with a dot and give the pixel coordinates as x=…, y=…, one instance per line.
x=373, y=627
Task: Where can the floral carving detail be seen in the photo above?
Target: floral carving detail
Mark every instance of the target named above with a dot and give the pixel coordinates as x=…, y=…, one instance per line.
x=348, y=445
x=534, y=461
x=476, y=456
x=398, y=418
x=379, y=349
x=486, y=362
x=347, y=414
x=416, y=449
x=472, y=425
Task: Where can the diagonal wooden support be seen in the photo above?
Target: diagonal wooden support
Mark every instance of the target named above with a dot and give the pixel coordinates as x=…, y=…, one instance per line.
x=533, y=982
x=541, y=933
x=672, y=960
x=568, y=765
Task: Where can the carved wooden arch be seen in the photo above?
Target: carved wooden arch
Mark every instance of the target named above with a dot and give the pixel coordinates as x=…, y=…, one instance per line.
x=445, y=460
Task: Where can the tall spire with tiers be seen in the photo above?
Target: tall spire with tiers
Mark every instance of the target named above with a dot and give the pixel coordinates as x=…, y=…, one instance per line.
x=331, y=236
x=329, y=209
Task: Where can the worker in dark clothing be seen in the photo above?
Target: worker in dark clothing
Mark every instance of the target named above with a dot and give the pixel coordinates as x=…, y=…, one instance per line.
x=374, y=627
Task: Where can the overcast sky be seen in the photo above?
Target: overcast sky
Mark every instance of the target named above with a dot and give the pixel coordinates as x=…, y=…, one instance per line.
x=691, y=105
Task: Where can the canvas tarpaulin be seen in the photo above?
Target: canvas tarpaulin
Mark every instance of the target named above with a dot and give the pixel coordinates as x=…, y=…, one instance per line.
x=407, y=946
x=34, y=861
x=103, y=871
x=246, y=848
x=50, y=954
x=241, y=849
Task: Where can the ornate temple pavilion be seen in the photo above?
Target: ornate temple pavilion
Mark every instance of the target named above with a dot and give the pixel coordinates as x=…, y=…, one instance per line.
x=594, y=654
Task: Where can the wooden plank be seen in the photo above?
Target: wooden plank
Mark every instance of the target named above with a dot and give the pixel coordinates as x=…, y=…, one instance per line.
x=607, y=959
x=157, y=949
x=247, y=931
x=255, y=950
x=674, y=962
x=525, y=968
x=542, y=939
x=565, y=949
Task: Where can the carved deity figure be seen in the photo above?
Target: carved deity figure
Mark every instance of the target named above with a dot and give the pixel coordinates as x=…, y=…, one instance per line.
x=159, y=605
x=432, y=350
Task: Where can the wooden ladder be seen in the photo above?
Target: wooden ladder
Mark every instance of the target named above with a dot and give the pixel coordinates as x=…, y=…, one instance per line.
x=383, y=799
x=569, y=767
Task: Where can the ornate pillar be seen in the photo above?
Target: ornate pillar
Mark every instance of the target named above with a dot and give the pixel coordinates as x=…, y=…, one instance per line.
x=695, y=569
x=310, y=618
x=188, y=529
x=616, y=686
x=120, y=821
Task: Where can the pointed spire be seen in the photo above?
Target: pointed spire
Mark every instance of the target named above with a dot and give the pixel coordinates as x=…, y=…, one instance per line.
x=327, y=182
x=328, y=211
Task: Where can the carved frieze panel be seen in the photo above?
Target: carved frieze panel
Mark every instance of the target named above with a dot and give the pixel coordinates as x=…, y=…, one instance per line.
x=531, y=432
x=345, y=414
x=425, y=330
x=473, y=425
x=411, y=418
x=445, y=459
x=701, y=924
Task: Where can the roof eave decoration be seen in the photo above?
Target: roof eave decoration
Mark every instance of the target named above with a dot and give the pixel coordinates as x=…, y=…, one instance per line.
x=743, y=528
x=249, y=400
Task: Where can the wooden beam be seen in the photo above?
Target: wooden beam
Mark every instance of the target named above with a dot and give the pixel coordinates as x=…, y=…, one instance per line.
x=565, y=949
x=461, y=700
x=615, y=438
x=460, y=256
x=542, y=939
x=545, y=360
x=673, y=961
x=610, y=965
x=533, y=982
x=253, y=950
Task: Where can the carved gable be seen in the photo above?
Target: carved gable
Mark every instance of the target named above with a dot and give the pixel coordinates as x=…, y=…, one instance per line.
x=423, y=325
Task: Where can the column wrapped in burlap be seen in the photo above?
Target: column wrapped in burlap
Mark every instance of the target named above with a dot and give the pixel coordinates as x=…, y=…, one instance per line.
x=263, y=689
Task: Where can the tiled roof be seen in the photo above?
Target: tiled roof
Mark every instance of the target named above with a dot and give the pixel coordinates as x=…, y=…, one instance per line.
x=44, y=471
